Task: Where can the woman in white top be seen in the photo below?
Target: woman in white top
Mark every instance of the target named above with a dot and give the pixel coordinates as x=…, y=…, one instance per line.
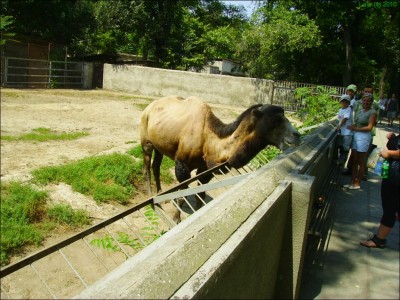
x=364, y=121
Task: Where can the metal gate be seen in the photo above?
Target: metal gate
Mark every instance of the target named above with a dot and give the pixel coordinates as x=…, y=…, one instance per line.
x=68, y=267
x=21, y=73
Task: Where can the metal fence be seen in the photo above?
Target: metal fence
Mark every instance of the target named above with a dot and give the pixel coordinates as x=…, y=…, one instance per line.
x=284, y=93
x=21, y=72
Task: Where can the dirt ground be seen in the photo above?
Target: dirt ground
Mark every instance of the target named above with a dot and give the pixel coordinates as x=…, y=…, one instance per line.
x=111, y=118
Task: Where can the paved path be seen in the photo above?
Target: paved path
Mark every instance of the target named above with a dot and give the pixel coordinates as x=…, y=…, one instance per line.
x=346, y=270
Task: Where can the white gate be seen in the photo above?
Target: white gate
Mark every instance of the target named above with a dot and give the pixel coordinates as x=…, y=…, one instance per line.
x=21, y=72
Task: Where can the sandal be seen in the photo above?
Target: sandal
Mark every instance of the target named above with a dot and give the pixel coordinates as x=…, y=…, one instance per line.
x=377, y=242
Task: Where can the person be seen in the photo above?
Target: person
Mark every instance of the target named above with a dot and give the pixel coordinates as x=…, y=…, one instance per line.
x=392, y=108
x=351, y=91
x=390, y=194
x=357, y=106
x=382, y=108
x=363, y=122
x=345, y=135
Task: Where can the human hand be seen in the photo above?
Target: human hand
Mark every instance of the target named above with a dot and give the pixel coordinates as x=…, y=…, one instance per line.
x=384, y=153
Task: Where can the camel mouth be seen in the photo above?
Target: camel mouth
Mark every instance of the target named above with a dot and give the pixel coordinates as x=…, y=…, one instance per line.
x=292, y=136
x=293, y=139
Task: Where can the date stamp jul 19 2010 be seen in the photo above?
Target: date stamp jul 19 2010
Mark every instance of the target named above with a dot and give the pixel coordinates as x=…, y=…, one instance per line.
x=378, y=4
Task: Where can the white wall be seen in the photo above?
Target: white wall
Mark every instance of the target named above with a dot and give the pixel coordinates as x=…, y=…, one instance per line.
x=222, y=89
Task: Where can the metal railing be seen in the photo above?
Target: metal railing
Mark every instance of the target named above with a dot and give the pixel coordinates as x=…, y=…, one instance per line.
x=21, y=72
x=284, y=93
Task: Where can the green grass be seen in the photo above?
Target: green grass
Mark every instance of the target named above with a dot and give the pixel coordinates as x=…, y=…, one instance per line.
x=26, y=219
x=65, y=215
x=44, y=134
x=106, y=177
x=166, y=165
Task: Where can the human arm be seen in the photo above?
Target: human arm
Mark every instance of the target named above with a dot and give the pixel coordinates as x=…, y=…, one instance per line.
x=385, y=153
x=371, y=124
x=342, y=122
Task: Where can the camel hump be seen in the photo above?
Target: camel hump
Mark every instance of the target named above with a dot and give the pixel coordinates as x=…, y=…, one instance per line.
x=174, y=102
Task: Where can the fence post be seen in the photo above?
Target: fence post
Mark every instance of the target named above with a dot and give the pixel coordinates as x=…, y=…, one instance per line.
x=49, y=81
x=5, y=71
x=273, y=92
x=87, y=75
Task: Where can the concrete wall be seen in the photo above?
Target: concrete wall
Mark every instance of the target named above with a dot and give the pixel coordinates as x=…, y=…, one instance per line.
x=227, y=90
x=247, y=243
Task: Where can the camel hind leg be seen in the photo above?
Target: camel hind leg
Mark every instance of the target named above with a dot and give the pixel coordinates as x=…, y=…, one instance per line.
x=158, y=157
x=147, y=150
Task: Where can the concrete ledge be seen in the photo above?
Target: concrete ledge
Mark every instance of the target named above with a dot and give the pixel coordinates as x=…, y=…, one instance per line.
x=246, y=264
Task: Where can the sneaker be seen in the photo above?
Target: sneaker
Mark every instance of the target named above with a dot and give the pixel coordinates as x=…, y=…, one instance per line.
x=354, y=187
x=365, y=178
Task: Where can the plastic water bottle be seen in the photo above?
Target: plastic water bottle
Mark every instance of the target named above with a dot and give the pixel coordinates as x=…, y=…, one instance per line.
x=385, y=169
x=378, y=166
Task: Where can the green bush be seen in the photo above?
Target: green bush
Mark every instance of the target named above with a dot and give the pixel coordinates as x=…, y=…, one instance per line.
x=319, y=105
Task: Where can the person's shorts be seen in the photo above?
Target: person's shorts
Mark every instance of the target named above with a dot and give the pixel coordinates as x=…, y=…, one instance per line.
x=391, y=114
x=361, y=141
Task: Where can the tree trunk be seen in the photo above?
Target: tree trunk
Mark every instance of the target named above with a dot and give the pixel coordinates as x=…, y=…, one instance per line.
x=348, y=72
x=382, y=81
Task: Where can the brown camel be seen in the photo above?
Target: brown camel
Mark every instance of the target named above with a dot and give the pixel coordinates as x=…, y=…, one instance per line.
x=187, y=131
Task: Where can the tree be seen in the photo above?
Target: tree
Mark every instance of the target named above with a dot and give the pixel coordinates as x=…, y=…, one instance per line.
x=6, y=23
x=212, y=31
x=276, y=34
x=56, y=20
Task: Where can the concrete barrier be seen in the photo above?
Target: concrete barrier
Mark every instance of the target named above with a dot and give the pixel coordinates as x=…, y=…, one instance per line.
x=247, y=243
x=220, y=89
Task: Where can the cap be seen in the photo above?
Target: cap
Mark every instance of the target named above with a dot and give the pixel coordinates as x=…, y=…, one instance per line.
x=344, y=97
x=352, y=87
